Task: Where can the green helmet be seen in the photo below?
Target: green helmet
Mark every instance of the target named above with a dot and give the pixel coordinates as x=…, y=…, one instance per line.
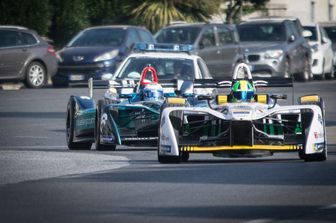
x=242, y=91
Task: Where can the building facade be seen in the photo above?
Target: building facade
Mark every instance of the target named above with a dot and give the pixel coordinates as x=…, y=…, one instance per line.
x=308, y=11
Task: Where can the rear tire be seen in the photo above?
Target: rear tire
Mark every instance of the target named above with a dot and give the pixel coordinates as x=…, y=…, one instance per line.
x=70, y=126
x=98, y=145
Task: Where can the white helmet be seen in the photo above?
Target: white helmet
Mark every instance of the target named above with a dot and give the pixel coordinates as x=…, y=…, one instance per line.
x=153, y=92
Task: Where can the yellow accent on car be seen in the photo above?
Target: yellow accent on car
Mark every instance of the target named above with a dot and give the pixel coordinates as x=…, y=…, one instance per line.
x=222, y=99
x=262, y=98
x=243, y=86
x=242, y=147
x=309, y=98
x=180, y=101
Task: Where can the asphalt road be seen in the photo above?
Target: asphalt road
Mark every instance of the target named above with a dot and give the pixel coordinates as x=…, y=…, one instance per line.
x=42, y=181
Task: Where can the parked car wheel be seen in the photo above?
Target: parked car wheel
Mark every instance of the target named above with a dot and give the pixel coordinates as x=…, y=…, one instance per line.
x=305, y=75
x=322, y=76
x=331, y=75
x=36, y=75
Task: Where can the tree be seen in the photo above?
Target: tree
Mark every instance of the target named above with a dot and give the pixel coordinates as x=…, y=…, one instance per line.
x=103, y=11
x=234, y=7
x=155, y=14
x=68, y=19
x=33, y=14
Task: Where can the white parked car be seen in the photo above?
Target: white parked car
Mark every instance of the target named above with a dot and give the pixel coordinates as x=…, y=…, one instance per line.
x=322, y=54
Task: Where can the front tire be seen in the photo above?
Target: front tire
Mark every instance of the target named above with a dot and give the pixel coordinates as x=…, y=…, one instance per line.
x=70, y=128
x=177, y=124
x=317, y=156
x=98, y=145
x=36, y=75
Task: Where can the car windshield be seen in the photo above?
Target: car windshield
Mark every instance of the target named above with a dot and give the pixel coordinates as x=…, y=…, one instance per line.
x=262, y=32
x=99, y=37
x=331, y=31
x=312, y=29
x=166, y=68
x=184, y=35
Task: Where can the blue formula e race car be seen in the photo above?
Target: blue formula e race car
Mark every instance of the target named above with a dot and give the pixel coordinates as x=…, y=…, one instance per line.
x=120, y=118
x=129, y=112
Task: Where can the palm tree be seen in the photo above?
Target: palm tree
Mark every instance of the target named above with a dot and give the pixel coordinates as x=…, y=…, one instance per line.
x=155, y=14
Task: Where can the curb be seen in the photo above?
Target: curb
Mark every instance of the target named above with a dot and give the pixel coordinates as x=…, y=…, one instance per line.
x=11, y=86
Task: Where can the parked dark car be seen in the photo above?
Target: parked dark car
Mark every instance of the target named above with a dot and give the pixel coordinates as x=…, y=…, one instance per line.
x=276, y=47
x=25, y=56
x=96, y=52
x=217, y=44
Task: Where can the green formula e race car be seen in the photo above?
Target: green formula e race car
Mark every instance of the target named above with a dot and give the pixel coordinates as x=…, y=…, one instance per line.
x=244, y=123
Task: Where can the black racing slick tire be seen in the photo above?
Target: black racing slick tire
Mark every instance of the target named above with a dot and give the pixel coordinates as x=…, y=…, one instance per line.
x=176, y=120
x=36, y=75
x=98, y=145
x=70, y=128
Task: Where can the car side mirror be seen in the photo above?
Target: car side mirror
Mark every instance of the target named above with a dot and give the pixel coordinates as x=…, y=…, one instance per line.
x=291, y=38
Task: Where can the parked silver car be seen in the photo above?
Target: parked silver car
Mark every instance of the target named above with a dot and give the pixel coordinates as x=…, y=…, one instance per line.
x=276, y=47
x=25, y=56
x=217, y=44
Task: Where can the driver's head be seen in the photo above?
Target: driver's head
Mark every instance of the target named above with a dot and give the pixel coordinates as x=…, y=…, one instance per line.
x=242, y=91
x=153, y=92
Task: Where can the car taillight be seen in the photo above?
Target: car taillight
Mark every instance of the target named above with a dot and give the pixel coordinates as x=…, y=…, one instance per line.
x=51, y=50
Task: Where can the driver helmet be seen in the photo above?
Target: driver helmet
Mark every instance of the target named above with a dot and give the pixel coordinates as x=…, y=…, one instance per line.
x=153, y=92
x=242, y=91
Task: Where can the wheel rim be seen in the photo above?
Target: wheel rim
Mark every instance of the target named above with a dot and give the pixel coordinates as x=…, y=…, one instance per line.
x=36, y=75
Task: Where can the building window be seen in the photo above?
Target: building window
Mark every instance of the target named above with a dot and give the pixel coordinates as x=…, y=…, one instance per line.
x=331, y=10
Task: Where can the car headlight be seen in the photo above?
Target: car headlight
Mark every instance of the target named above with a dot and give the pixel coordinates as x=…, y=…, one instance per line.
x=107, y=56
x=315, y=47
x=273, y=54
